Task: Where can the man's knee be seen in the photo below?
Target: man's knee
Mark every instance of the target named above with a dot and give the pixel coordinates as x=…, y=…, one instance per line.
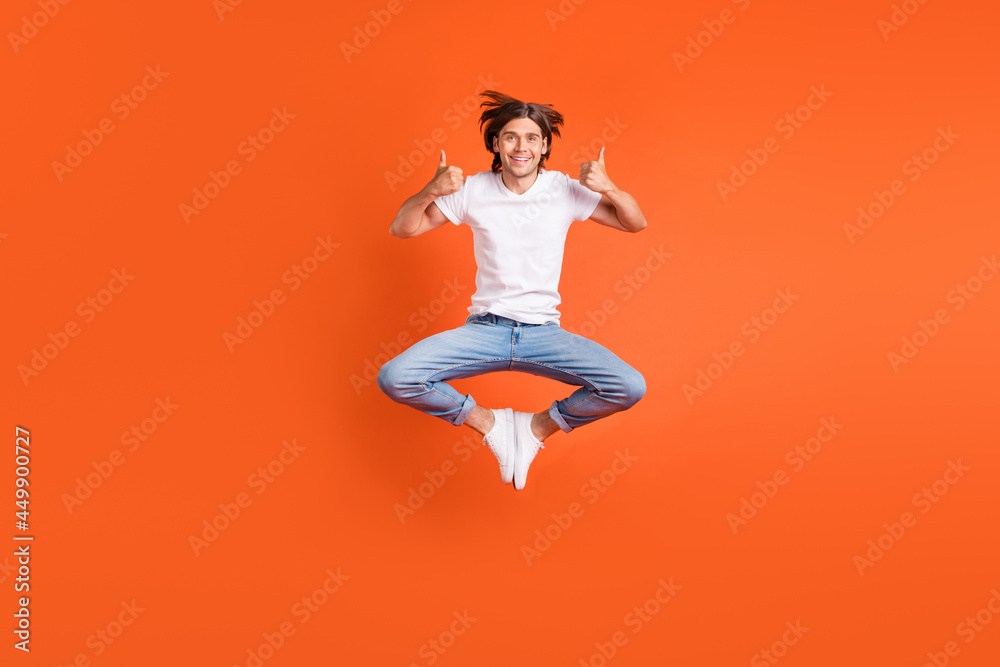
x=387, y=379
x=634, y=388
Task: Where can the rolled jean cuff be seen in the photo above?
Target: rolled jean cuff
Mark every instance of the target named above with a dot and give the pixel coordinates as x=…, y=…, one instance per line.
x=466, y=409
x=558, y=418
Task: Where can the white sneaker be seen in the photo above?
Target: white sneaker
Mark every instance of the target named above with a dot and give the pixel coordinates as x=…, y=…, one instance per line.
x=502, y=442
x=527, y=448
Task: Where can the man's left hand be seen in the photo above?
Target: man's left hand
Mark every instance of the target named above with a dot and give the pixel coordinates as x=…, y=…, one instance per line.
x=594, y=176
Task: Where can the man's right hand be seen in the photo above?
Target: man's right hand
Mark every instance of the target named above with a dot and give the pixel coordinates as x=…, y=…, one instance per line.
x=447, y=180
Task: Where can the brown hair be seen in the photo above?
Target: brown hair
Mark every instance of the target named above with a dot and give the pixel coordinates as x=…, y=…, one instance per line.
x=501, y=109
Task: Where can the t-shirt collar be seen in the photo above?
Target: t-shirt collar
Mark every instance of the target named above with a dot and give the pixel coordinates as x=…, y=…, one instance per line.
x=534, y=186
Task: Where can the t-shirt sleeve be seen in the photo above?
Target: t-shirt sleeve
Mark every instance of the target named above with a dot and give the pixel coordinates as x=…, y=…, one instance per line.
x=455, y=206
x=585, y=200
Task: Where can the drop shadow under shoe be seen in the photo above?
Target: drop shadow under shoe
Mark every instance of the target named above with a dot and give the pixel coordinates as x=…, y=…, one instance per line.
x=502, y=442
x=527, y=448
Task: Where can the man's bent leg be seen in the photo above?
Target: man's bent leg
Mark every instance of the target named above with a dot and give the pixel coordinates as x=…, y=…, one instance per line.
x=418, y=376
x=607, y=384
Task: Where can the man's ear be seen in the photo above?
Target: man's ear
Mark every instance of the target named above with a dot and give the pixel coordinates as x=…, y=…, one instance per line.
x=496, y=147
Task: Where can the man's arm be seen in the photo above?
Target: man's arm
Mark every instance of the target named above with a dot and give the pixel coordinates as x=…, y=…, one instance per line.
x=418, y=214
x=617, y=208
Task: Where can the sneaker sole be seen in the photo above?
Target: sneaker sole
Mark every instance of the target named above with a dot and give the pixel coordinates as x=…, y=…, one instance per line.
x=519, y=445
x=517, y=456
x=509, y=418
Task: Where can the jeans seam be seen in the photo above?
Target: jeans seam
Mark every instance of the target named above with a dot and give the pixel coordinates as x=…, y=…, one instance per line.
x=424, y=383
x=423, y=380
x=581, y=402
x=513, y=334
x=584, y=382
x=441, y=393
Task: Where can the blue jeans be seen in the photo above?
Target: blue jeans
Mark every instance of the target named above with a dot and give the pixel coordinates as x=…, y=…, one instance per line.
x=488, y=343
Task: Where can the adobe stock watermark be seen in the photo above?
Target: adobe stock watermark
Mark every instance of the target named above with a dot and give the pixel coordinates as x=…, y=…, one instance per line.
x=900, y=14
x=363, y=34
x=122, y=106
x=426, y=147
x=923, y=500
x=927, y=329
x=914, y=167
x=562, y=12
x=626, y=287
x=88, y=309
x=635, y=620
x=223, y=7
x=967, y=629
x=248, y=149
x=786, y=126
x=303, y=610
x=101, y=639
x=420, y=319
x=32, y=23
x=592, y=490
x=797, y=457
x=432, y=650
x=259, y=481
x=294, y=277
x=697, y=43
x=612, y=130
x=779, y=648
x=22, y=616
x=417, y=496
x=753, y=329
x=133, y=438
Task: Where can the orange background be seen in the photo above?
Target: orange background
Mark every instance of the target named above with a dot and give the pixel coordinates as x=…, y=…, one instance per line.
x=324, y=175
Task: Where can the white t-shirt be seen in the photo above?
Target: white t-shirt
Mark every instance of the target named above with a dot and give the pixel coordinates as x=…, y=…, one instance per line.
x=519, y=240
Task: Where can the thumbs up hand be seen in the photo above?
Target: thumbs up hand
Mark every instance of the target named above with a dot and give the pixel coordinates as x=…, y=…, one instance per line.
x=594, y=176
x=446, y=181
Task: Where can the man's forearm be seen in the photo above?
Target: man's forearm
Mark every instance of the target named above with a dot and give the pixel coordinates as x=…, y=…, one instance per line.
x=408, y=219
x=627, y=210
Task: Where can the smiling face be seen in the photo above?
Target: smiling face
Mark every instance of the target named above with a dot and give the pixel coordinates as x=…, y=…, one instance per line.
x=521, y=145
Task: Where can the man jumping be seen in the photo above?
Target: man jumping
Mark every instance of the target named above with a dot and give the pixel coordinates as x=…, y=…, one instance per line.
x=519, y=213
